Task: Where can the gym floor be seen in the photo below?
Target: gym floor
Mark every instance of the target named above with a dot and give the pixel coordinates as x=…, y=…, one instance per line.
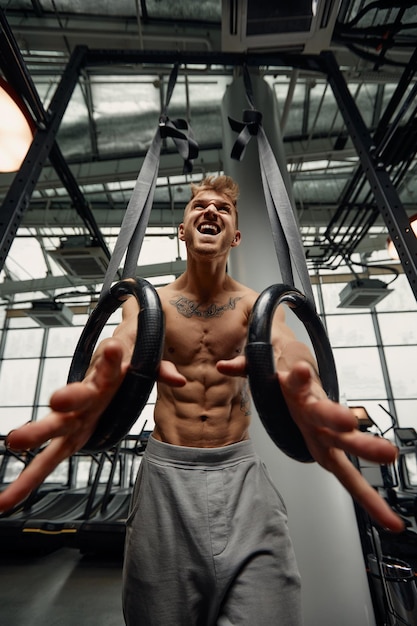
x=63, y=588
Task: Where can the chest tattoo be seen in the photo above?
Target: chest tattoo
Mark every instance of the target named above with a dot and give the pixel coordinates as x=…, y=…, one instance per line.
x=188, y=308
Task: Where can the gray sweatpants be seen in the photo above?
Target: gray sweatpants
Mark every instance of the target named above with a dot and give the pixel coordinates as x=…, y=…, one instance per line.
x=207, y=542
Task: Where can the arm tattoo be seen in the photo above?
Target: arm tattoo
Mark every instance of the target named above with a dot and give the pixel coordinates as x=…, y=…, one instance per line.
x=188, y=308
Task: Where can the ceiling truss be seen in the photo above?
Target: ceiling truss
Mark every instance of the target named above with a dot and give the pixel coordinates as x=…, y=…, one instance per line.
x=382, y=161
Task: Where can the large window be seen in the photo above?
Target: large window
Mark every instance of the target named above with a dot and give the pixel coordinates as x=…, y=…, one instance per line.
x=35, y=362
x=375, y=352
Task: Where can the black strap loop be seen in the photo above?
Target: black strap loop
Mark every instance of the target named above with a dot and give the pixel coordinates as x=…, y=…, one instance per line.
x=253, y=119
x=247, y=129
x=186, y=145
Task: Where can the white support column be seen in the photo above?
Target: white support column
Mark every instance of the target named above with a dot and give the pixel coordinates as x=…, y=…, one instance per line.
x=321, y=515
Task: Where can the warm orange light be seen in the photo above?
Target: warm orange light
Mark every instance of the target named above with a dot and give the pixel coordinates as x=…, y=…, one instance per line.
x=16, y=129
x=363, y=417
x=392, y=251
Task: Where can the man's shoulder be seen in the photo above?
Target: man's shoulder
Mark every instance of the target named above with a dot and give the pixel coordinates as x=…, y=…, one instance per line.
x=168, y=291
x=244, y=291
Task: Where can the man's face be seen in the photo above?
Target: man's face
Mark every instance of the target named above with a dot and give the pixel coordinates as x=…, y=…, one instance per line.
x=209, y=224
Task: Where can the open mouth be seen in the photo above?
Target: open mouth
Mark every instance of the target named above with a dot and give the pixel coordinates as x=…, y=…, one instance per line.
x=208, y=229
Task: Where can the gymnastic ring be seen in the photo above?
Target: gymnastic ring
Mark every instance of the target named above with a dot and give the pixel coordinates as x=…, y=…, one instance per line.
x=131, y=397
x=265, y=388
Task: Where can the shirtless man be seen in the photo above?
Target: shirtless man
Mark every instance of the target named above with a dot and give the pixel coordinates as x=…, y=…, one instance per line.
x=207, y=539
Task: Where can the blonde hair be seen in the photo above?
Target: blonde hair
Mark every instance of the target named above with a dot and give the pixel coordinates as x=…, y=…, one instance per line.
x=220, y=184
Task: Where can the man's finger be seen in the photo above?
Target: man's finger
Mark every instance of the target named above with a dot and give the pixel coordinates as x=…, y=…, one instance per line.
x=33, y=435
x=75, y=397
x=365, y=495
x=232, y=367
x=169, y=375
x=369, y=447
x=33, y=475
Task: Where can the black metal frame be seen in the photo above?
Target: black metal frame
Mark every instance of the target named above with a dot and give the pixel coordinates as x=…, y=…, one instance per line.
x=386, y=197
x=44, y=145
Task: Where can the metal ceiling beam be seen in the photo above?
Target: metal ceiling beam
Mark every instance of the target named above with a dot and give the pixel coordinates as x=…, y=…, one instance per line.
x=18, y=197
x=43, y=146
x=208, y=160
x=78, y=200
x=62, y=218
x=42, y=216
x=385, y=194
x=99, y=57
x=396, y=98
x=119, y=169
x=51, y=283
x=110, y=32
x=104, y=58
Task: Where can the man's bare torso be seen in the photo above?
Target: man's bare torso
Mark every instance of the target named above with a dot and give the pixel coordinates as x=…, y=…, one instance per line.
x=211, y=409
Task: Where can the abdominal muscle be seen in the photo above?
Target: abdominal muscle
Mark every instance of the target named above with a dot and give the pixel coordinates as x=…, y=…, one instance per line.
x=220, y=418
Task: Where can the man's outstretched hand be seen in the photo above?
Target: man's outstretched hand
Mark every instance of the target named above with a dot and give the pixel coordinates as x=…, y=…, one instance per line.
x=330, y=431
x=75, y=411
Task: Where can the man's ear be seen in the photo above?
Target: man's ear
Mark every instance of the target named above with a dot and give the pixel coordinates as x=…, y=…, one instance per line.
x=181, y=232
x=237, y=239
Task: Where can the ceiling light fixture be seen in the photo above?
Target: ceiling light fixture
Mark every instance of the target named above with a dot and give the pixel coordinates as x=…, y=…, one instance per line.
x=16, y=129
x=48, y=313
x=363, y=293
x=81, y=255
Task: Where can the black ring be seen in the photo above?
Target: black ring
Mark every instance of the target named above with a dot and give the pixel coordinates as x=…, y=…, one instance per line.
x=130, y=399
x=266, y=390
